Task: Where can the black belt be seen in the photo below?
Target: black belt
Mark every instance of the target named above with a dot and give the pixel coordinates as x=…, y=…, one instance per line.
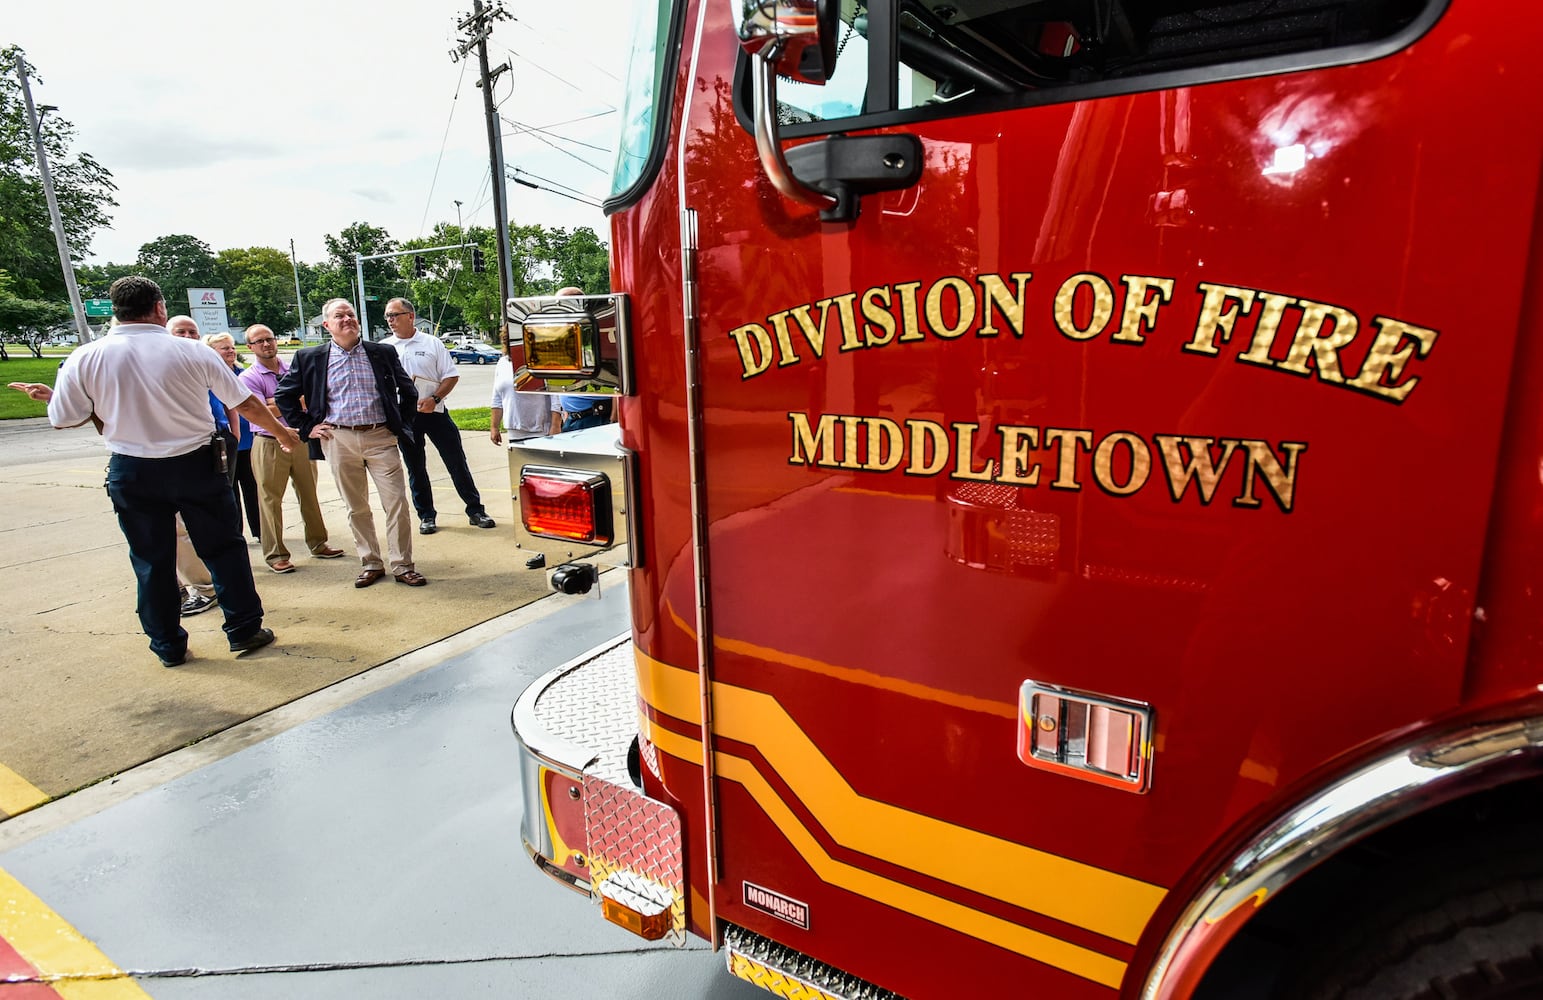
x=161, y=458
x=357, y=427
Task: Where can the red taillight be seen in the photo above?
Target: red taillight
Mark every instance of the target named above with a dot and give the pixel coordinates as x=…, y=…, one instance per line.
x=560, y=503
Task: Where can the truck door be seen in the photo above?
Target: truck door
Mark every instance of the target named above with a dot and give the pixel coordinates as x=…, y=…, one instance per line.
x=1171, y=389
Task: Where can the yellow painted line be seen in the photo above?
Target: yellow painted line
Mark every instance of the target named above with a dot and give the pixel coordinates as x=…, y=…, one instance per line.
x=1077, y=960
x=69, y=963
x=1083, y=895
x=17, y=794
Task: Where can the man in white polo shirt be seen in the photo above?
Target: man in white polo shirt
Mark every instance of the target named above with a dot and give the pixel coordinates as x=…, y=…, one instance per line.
x=433, y=372
x=150, y=391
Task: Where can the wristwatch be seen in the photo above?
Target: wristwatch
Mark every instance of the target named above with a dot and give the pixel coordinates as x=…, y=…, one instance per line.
x=435, y=397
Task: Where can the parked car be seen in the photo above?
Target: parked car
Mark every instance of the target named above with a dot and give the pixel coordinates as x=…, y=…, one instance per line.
x=477, y=354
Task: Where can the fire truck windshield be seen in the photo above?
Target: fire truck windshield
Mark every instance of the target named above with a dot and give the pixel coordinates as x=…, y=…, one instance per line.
x=990, y=53
x=642, y=89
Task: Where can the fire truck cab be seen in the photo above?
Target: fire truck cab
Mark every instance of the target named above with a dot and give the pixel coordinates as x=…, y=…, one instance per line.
x=1080, y=484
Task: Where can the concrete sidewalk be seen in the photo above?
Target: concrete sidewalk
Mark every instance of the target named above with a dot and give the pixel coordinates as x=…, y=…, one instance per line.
x=81, y=695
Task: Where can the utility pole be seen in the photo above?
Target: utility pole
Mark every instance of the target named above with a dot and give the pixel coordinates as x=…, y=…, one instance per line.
x=82, y=328
x=478, y=25
x=299, y=300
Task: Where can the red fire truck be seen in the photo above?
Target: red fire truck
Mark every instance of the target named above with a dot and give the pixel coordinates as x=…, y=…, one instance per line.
x=1080, y=481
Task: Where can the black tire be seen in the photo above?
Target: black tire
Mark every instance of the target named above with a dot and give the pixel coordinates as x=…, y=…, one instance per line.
x=1462, y=925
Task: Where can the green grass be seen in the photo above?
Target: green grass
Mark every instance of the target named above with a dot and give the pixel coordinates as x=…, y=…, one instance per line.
x=29, y=369
x=474, y=419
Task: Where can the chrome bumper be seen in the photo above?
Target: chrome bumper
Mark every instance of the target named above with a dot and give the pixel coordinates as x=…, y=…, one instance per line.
x=586, y=824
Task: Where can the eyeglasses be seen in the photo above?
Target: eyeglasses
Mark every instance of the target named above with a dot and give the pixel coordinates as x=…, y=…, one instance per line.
x=265, y=340
x=396, y=314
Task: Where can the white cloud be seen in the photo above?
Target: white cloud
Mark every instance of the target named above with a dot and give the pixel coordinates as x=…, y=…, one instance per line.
x=254, y=125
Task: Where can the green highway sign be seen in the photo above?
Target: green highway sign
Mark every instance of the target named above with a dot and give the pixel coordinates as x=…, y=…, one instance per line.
x=99, y=308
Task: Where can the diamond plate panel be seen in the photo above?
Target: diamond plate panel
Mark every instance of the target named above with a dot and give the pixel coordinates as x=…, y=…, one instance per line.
x=774, y=982
x=594, y=706
x=632, y=834
x=788, y=973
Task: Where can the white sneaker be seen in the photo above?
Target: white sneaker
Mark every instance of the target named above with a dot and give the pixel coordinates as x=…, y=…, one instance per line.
x=196, y=604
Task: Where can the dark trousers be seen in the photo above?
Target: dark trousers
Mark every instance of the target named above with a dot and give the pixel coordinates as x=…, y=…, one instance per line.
x=591, y=417
x=246, y=486
x=146, y=493
x=439, y=428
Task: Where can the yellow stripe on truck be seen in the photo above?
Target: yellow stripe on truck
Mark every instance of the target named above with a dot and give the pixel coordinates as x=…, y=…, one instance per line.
x=1079, y=961
x=1101, y=901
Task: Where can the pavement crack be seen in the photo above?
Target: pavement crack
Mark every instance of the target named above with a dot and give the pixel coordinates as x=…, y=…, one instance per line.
x=296, y=654
x=61, y=607
x=407, y=963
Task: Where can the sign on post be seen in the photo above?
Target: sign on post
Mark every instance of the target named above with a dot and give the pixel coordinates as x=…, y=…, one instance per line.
x=207, y=307
x=99, y=308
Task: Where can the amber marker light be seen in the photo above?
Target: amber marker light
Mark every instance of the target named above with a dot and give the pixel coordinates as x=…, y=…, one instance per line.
x=556, y=349
x=561, y=503
x=637, y=903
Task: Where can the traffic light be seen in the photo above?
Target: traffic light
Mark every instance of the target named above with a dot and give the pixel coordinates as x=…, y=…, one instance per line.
x=478, y=266
x=418, y=269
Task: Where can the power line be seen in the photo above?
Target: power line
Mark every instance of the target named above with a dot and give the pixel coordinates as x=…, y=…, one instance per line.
x=561, y=194
x=548, y=180
x=444, y=139
x=563, y=138
x=556, y=76
x=566, y=152
x=580, y=118
x=602, y=70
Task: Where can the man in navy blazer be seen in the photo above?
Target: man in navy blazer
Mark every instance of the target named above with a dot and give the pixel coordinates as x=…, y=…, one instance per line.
x=346, y=398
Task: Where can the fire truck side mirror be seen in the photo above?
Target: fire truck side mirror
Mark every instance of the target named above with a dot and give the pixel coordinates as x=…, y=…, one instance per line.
x=798, y=37
x=794, y=38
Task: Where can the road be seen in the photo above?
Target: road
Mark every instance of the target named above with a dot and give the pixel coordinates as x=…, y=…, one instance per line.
x=368, y=847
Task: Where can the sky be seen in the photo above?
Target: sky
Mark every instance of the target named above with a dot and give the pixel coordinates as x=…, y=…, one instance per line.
x=256, y=124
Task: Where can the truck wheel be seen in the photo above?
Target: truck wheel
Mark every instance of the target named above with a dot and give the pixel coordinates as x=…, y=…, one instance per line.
x=1465, y=926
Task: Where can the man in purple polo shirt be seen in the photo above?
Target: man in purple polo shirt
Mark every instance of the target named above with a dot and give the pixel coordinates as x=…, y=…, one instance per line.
x=274, y=467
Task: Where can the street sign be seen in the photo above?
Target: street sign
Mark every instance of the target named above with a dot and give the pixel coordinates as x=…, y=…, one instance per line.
x=99, y=308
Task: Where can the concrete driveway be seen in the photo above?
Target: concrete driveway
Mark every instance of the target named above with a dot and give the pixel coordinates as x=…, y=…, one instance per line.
x=82, y=697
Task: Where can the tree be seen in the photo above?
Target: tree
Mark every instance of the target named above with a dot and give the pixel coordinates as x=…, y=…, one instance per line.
x=381, y=277
x=320, y=282
x=542, y=261
x=580, y=259
x=177, y=263
x=29, y=321
x=94, y=280
x=82, y=185
x=446, y=273
x=259, y=287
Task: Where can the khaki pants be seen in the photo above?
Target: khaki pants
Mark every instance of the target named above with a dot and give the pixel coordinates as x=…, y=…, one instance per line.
x=191, y=571
x=354, y=454
x=274, y=469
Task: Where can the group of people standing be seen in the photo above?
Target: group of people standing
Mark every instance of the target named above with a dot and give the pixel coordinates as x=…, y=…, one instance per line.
x=176, y=416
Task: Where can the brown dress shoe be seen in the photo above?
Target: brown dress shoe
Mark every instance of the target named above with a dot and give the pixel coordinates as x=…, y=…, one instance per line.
x=412, y=578
x=368, y=577
x=327, y=552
